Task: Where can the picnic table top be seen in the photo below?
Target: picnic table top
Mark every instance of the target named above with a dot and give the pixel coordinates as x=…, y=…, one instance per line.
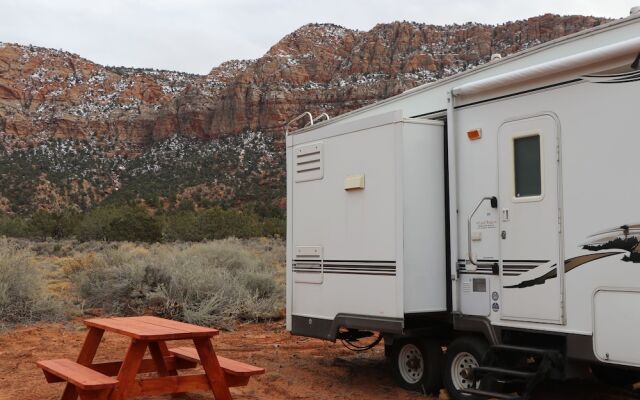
x=150, y=328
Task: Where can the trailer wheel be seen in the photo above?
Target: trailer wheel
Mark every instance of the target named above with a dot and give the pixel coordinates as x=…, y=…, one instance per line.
x=416, y=365
x=388, y=351
x=463, y=354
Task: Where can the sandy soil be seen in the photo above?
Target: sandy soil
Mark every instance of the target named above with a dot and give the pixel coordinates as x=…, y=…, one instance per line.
x=297, y=368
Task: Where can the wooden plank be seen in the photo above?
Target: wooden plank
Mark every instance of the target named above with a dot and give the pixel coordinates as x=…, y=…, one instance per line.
x=158, y=359
x=170, y=384
x=135, y=329
x=162, y=346
x=129, y=369
x=180, y=364
x=90, y=346
x=172, y=370
x=215, y=374
x=112, y=368
x=80, y=376
x=229, y=366
x=186, y=353
x=86, y=356
x=138, y=329
x=94, y=394
x=235, y=367
x=164, y=349
x=235, y=380
x=51, y=378
x=178, y=325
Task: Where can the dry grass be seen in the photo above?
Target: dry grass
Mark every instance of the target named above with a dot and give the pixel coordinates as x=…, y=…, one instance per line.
x=211, y=283
x=24, y=295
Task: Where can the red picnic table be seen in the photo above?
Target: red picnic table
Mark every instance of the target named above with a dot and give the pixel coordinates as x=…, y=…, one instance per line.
x=118, y=380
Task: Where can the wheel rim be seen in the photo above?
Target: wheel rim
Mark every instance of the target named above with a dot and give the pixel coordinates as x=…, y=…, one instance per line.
x=461, y=370
x=411, y=363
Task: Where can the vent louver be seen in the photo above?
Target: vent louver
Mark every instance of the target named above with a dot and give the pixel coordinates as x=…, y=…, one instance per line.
x=308, y=163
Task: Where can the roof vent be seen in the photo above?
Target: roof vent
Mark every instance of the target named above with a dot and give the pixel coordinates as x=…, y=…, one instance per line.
x=496, y=56
x=634, y=10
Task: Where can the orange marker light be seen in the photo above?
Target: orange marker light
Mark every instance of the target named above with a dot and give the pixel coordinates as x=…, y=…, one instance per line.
x=474, y=134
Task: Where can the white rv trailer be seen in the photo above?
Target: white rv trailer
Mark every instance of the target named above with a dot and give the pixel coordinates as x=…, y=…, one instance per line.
x=496, y=213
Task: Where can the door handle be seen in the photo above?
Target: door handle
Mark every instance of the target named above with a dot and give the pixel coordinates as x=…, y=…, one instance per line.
x=503, y=234
x=505, y=215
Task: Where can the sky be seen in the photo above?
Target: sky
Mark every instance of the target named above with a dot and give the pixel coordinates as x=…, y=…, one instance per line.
x=197, y=35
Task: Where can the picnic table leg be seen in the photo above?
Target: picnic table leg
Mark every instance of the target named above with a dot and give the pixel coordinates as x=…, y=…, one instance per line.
x=129, y=368
x=87, y=353
x=158, y=359
x=158, y=352
x=211, y=366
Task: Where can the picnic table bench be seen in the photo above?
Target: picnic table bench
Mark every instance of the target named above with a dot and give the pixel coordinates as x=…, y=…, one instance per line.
x=118, y=380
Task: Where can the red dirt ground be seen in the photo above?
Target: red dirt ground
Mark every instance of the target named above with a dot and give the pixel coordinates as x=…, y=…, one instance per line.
x=297, y=368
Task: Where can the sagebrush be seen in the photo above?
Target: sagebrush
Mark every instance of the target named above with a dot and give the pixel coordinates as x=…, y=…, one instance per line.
x=24, y=296
x=210, y=283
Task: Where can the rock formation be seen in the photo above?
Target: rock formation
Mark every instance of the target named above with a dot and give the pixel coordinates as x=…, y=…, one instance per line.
x=54, y=103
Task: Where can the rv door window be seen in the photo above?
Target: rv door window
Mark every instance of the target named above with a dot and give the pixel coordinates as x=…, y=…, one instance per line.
x=527, y=170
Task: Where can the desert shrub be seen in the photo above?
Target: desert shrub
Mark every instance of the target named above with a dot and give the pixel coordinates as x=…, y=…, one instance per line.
x=186, y=205
x=123, y=223
x=274, y=227
x=217, y=223
x=24, y=296
x=57, y=225
x=134, y=224
x=184, y=226
x=94, y=224
x=17, y=227
x=212, y=283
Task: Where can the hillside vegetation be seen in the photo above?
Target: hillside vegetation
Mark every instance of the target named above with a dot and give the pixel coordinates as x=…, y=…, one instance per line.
x=137, y=224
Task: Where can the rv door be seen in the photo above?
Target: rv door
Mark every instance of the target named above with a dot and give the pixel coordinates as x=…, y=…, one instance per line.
x=531, y=267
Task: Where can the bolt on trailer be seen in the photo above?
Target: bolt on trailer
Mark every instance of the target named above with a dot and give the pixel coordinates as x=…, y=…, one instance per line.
x=493, y=213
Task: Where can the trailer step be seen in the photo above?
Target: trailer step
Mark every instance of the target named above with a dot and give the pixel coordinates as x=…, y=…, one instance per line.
x=490, y=395
x=494, y=367
x=503, y=371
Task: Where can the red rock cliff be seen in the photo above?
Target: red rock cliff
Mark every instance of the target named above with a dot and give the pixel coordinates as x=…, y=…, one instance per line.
x=53, y=94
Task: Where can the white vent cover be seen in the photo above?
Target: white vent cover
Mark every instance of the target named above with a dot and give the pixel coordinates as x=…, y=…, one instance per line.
x=308, y=265
x=308, y=162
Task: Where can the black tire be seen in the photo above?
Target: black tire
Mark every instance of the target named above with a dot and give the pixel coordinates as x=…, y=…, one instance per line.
x=416, y=365
x=388, y=351
x=615, y=376
x=460, y=352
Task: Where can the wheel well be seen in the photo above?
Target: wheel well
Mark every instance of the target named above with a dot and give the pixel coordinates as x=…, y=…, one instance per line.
x=481, y=326
x=439, y=332
x=534, y=339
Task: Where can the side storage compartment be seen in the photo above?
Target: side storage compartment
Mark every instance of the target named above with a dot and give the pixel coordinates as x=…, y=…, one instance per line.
x=366, y=229
x=616, y=326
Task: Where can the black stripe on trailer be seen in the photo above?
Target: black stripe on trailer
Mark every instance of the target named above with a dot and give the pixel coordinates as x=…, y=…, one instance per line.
x=354, y=261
